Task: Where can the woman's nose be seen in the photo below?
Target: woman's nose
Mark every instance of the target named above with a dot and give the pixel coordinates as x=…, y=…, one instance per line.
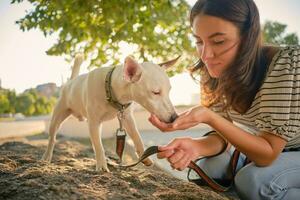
x=206, y=53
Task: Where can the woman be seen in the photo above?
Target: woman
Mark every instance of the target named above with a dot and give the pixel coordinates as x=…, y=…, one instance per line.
x=245, y=82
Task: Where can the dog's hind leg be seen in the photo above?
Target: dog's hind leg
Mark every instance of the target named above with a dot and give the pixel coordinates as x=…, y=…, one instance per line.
x=131, y=129
x=60, y=113
x=101, y=163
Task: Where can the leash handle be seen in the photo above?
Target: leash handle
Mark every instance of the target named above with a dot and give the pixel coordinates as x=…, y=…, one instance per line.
x=193, y=166
x=210, y=181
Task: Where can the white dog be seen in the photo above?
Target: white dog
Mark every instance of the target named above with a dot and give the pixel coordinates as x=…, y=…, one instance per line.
x=85, y=96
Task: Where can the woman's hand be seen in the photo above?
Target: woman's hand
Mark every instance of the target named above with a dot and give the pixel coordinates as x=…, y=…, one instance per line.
x=185, y=120
x=180, y=152
x=164, y=127
x=192, y=117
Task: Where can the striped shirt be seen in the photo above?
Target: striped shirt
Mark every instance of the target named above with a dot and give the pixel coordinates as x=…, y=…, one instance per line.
x=276, y=106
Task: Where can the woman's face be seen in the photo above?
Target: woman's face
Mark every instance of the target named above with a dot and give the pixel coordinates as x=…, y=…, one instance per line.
x=217, y=42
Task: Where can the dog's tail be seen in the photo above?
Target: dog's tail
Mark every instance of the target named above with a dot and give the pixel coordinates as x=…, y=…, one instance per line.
x=76, y=67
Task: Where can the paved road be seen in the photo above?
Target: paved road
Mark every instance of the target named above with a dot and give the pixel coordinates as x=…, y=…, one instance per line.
x=22, y=128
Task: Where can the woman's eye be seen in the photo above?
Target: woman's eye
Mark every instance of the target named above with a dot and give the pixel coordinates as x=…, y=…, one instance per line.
x=156, y=92
x=219, y=41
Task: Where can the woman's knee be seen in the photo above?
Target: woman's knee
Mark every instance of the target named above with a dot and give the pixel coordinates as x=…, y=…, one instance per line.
x=273, y=182
x=247, y=182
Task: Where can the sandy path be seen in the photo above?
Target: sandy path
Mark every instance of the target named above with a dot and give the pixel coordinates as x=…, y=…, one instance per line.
x=72, y=175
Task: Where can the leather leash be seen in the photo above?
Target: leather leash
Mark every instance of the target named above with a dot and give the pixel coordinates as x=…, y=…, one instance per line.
x=148, y=152
x=193, y=166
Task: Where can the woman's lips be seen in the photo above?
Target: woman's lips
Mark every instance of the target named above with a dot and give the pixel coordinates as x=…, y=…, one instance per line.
x=212, y=64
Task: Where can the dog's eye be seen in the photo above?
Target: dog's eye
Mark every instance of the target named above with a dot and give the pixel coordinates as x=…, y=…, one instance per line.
x=156, y=92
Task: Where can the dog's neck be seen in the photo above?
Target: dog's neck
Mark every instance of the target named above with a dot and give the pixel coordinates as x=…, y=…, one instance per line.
x=121, y=87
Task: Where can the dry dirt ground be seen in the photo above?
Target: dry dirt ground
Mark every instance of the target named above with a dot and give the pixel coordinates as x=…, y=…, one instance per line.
x=72, y=175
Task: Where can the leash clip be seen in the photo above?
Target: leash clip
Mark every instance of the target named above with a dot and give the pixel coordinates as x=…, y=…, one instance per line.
x=120, y=132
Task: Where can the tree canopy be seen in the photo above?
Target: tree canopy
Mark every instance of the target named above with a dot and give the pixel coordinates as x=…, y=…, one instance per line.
x=159, y=29
x=275, y=33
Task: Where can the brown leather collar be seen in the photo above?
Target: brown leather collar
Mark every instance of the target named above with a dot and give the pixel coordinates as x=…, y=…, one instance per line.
x=110, y=97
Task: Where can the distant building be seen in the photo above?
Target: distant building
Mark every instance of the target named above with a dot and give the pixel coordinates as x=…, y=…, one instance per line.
x=47, y=89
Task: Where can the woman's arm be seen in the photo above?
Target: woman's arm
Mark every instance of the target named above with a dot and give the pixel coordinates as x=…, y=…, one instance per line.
x=262, y=149
x=211, y=145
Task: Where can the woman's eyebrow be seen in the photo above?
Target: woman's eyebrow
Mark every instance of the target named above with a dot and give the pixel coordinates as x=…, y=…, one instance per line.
x=216, y=34
x=211, y=36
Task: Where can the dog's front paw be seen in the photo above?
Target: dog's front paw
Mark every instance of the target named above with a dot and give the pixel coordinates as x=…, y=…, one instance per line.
x=46, y=158
x=147, y=162
x=102, y=168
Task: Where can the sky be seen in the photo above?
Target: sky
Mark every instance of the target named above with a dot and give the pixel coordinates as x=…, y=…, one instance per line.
x=24, y=63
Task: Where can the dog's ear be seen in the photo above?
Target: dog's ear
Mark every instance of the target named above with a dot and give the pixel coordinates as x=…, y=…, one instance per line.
x=169, y=63
x=132, y=70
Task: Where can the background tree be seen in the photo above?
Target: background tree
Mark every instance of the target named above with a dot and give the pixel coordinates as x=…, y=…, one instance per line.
x=31, y=103
x=7, y=101
x=12, y=98
x=25, y=104
x=43, y=105
x=157, y=28
x=4, y=102
x=275, y=33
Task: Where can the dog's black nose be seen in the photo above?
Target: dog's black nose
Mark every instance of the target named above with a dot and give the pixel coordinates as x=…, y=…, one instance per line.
x=173, y=117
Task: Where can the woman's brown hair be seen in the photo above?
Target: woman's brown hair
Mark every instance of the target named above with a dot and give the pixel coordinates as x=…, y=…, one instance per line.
x=237, y=86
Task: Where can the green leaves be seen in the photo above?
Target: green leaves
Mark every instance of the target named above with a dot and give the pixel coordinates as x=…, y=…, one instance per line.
x=96, y=27
x=4, y=103
x=29, y=103
x=274, y=33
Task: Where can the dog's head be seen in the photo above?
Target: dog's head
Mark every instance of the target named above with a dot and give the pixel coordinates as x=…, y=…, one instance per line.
x=150, y=87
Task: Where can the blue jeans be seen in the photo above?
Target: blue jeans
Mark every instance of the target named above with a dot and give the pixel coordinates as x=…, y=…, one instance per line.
x=280, y=180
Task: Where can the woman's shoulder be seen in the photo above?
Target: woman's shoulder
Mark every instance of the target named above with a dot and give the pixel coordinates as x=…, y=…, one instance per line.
x=283, y=60
x=271, y=50
x=290, y=53
x=283, y=75
x=276, y=104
